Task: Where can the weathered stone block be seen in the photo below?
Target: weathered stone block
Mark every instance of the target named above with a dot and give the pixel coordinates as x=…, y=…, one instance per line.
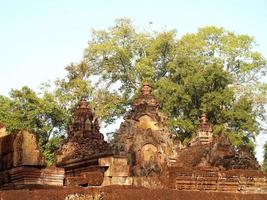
x=26, y=175
x=117, y=166
x=85, y=179
x=3, y=131
x=117, y=181
x=148, y=182
x=26, y=151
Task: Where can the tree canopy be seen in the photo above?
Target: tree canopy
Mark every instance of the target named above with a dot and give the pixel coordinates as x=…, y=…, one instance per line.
x=213, y=71
x=264, y=164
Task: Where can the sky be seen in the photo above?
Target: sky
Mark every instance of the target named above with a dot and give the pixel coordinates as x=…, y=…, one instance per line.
x=38, y=39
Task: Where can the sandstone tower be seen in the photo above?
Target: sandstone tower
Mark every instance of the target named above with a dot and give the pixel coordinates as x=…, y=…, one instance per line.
x=144, y=136
x=84, y=139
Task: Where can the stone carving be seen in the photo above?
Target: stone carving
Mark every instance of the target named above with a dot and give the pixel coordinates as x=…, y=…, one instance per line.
x=84, y=139
x=204, y=132
x=79, y=153
x=224, y=155
x=22, y=164
x=219, y=153
x=144, y=136
x=26, y=151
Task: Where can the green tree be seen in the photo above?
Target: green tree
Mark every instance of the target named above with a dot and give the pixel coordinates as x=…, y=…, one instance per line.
x=26, y=110
x=40, y=115
x=264, y=164
x=214, y=71
x=106, y=104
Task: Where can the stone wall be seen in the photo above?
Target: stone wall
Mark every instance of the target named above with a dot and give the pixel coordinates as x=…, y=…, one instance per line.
x=215, y=180
x=185, y=178
x=22, y=164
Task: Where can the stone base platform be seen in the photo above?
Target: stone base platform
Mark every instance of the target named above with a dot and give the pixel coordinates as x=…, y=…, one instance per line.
x=28, y=176
x=122, y=193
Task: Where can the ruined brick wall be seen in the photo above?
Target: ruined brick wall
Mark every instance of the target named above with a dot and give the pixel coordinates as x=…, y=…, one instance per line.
x=218, y=153
x=214, y=180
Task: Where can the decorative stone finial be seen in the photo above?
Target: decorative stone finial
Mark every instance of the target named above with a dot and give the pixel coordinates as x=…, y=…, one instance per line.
x=204, y=123
x=146, y=99
x=146, y=88
x=83, y=103
x=204, y=130
x=82, y=118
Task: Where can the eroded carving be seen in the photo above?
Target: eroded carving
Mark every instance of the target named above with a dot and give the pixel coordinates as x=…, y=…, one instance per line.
x=84, y=139
x=144, y=136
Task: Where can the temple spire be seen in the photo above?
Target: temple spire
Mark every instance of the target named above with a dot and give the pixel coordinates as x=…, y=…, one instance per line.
x=204, y=130
x=146, y=99
x=146, y=88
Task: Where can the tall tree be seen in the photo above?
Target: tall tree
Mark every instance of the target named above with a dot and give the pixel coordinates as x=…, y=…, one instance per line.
x=47, y=112
x=40, y=115
x=264, y=164
x=214, y=71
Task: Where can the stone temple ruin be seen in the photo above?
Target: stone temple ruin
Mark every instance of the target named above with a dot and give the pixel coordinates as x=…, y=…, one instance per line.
x=143, y=154
x=22, y=164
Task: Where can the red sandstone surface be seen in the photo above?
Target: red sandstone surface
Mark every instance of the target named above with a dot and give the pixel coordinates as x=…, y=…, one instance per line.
x=122, y=193
x=145, y=162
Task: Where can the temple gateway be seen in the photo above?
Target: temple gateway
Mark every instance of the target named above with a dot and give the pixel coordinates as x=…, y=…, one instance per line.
x=144, y=153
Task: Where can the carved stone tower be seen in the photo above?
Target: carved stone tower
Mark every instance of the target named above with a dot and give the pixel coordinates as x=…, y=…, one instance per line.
x=84, y=139
x=144, y=136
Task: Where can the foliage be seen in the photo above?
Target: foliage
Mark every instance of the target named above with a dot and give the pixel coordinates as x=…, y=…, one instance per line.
x=50, y=148
x=46, y=114
x=68, y=91
x=213, y=71
x=264, y=164
x=26, y=110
